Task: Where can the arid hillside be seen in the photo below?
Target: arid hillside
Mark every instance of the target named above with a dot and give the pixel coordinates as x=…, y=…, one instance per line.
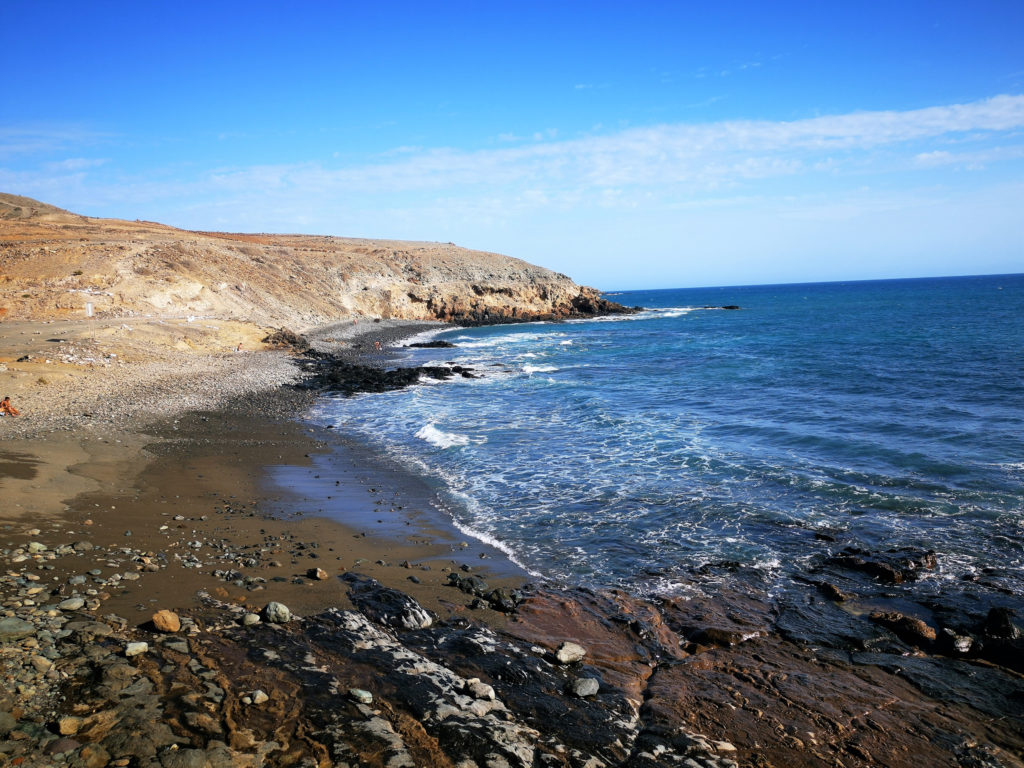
x=57, y=265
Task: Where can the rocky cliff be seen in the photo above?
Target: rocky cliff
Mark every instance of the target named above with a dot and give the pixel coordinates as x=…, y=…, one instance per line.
x=54, y=263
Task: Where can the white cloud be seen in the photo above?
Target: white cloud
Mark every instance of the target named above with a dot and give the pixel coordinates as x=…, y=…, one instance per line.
x=77, y=163
x=27, y=140
x=742, y=186
x=687, y=159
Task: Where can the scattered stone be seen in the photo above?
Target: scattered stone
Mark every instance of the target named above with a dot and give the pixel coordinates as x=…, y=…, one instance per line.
x=13, y=628
x=277, y=613
x=953, y=643
x=585, y=686
x=250, y=618
x=184, y=758
x=360, y=695
x=69, y=725
x=319, y=574
x=7, y=723
x=166, y=621
x=71, y=604
x=569, y=653
x=60, y=746
x=134, y=649
x=480, y=690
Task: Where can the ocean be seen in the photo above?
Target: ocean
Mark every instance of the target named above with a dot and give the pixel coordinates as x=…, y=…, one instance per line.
x=634, y=451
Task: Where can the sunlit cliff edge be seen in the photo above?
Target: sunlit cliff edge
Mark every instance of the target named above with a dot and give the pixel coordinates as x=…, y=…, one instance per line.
x=57, y=265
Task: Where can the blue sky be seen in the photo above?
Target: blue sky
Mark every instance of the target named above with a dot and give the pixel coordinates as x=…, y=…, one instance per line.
x=663, y=145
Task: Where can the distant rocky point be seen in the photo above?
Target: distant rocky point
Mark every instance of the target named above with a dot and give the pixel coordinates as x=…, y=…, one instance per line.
x=56, y=264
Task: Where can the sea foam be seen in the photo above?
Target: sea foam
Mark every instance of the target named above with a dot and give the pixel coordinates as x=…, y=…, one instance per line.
x=441, y=439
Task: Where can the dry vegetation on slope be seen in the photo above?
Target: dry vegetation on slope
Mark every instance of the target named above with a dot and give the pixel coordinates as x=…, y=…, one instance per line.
x=53, y=263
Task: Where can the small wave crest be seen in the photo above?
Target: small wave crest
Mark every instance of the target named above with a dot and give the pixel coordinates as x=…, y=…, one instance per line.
x=531, y=369
x=440, y=438
x=497, y=544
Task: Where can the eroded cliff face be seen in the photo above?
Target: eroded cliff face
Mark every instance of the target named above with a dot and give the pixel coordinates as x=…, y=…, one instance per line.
x=54, y=263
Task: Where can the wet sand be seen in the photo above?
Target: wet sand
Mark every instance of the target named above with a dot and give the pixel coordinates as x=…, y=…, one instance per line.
x=251, y=469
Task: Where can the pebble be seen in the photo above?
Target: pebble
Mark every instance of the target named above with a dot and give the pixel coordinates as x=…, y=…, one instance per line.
x=480, y=690
x=71, y=604
x=569, y=653
x=166, y=621
x=69, y=725
x=277, y=613
x=14, y=629
x=134, y=649
x=585, y=686
x=360, y=695
x=258, y=697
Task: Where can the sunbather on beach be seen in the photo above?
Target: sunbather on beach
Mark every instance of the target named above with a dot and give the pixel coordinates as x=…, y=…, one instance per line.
x=6, y=409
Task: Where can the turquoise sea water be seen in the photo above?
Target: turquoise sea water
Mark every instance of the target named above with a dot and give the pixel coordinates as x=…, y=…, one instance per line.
x=630, y=451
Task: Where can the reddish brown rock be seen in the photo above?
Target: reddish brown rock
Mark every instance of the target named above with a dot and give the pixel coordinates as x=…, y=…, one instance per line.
x=908, y=628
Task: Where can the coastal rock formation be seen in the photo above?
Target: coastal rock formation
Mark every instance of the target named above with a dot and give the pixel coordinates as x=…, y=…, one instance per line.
x=57, y=264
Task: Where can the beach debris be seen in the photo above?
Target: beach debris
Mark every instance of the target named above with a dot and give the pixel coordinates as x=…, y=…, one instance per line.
x=318, y=574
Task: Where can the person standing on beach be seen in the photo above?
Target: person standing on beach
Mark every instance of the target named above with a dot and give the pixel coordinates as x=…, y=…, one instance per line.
x=6, y=409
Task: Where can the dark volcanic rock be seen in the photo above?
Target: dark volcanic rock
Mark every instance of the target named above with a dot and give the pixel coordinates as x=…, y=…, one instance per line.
x=436, y=344
x=338, y=375
x=895, y=566
x=1002, y=641
x=386, y=606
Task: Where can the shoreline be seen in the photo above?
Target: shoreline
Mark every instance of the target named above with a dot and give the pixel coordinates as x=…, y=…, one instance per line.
x=450, y=681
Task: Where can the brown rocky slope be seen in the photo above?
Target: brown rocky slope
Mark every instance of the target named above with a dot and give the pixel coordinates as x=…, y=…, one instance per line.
x=53, y=263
